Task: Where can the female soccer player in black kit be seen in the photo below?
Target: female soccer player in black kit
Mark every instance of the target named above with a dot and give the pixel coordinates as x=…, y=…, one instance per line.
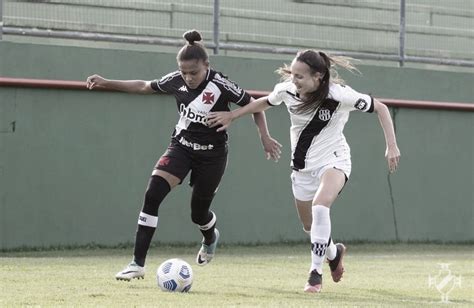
x=194, y=146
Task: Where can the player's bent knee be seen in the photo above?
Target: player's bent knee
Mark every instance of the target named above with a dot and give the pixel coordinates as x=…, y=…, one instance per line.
x=170, y=178
x=326, y=201
x=156, y=191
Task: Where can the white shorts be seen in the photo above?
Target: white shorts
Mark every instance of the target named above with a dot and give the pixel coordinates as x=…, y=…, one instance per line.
x=305, y=184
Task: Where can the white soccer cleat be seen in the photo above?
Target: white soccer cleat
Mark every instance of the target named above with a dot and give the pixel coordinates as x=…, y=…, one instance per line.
x=206, y=253
x=132, y=270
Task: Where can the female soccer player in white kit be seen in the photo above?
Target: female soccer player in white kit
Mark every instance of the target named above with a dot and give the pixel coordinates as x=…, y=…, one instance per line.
x=319, y=106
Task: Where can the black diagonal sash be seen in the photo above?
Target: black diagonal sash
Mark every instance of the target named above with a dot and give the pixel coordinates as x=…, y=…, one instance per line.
x=319, y=121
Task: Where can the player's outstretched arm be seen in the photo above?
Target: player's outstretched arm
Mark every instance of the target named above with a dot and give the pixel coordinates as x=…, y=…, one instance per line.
x=131, y=86
x=392, y=153
x=223, y=119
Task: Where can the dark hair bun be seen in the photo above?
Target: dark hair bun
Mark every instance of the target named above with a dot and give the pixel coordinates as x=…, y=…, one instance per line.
x=192, y=36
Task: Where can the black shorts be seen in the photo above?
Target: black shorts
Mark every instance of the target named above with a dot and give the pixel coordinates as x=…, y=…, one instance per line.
x=207, y=166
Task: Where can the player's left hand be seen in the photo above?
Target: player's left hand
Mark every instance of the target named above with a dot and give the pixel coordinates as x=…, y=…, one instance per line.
x=392, y=154
x=223, y=119
x=271, y=147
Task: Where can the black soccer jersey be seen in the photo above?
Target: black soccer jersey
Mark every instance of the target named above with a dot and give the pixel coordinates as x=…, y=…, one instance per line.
x=213, y=94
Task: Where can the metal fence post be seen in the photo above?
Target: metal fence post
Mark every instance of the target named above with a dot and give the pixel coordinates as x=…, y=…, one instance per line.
x=216, y=25
x=401, y=51
x=1, y=19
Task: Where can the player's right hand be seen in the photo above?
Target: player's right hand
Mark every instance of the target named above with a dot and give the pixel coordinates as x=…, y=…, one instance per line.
x=94, y=81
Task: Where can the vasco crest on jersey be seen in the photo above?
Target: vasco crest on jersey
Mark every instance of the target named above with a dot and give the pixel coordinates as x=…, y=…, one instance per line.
x=208, y=98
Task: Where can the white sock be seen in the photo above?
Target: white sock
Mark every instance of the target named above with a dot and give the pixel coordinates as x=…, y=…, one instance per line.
x=331, y=251
x=320, y=233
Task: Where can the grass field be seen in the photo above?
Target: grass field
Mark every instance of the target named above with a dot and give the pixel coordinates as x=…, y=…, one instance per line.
x=268, y=276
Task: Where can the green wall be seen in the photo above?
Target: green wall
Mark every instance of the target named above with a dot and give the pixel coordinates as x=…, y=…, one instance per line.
x=74, y=165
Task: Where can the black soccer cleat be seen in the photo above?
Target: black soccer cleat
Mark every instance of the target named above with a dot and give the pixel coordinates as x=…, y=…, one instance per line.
x=336, y=265
x=315, y=282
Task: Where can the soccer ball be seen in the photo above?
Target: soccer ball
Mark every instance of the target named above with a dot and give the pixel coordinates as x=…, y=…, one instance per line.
x=175, y=275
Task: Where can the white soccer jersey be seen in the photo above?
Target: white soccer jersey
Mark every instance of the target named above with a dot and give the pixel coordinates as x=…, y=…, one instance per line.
x=317, y=138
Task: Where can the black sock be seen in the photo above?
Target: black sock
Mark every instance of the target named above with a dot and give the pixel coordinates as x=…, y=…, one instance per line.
x=209, y=235
x=208, y=231
x=156, y=191
x=142, y=243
